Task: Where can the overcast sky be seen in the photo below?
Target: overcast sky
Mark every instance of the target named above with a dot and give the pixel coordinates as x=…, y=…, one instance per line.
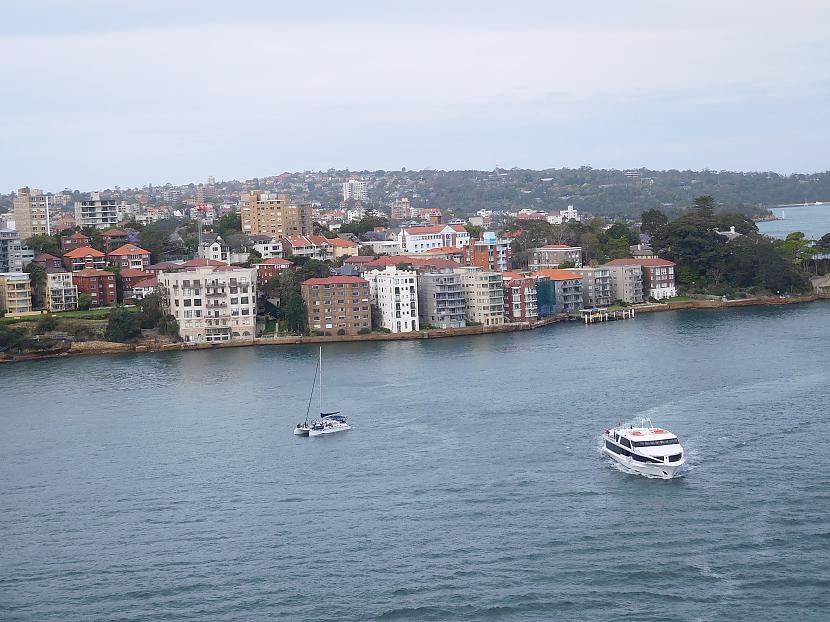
x=101, y=93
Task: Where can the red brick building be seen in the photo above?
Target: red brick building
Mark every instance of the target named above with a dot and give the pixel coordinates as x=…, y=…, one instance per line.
x=84, y=258
x=99, y=284
x=270, y=268
x=49, y=262
x=490, y=253
x=71, y=242
x=338, y=303
x=658, y=276
x=520, y=298
x=131, y=276
x=129, y=256
x=113, y=238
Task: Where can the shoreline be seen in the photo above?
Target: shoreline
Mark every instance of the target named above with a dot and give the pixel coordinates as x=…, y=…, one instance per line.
x=91, y=348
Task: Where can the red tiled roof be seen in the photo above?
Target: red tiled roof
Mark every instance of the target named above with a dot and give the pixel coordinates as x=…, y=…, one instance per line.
x=147, y=283
x=648, y=263
x=200, y=262
x=114, y=233
x=433, y=229
x=83, y=251
x=92, y=272
x=416, y=262
x=275, y=261
x=132, y=273
x=343, y=243
x=78, y=236
x=129, y=249
x=445, y=249
x=43, y=257
x=560, y=246
x=557, y=274
x=335, y=280
x=360, y=259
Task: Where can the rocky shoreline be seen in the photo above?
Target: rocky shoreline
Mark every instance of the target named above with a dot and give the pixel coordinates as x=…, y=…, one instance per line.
x=86, y=348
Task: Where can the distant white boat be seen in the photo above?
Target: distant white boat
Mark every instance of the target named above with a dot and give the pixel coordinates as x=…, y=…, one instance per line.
x=783, y=214
x=645, y=449
x=329, y=422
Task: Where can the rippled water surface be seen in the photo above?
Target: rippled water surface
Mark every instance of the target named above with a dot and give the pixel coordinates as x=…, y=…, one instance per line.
x=170, y=486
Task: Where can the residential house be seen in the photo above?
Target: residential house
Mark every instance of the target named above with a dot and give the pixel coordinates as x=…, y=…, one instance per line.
x=212, y=246
x=212, y=303
x=99, y=284
x=554, y=255
x=15, y=292
x=658, y=276
x=144, y=288
x=441, y=300
x=83, y=258
x=129, y=256
x=270, y=268
x=267, y=246
x=131, y=276
x=422, y=239
x=338, y=303
x=343, y=248
x=311, y=246
x=395, y=292
x=71, y=242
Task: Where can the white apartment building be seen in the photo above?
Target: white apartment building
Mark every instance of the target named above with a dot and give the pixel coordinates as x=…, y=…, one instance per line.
x=354, y=190
x=554, y=255
x=97, y=212
x=395, y=292
x=268, y=247
x=61, y=294
x=422, y=239
x=212, y=304
x=563, y=216
x=483, y=296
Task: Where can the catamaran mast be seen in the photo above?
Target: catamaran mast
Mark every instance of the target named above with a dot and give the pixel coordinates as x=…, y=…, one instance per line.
x=321, y=380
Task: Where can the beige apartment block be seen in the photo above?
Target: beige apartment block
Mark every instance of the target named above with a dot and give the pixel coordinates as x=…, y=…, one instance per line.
x=483, y=296
x=15, y=292
x=61, y=293
x=32, y=213
x=268, y=213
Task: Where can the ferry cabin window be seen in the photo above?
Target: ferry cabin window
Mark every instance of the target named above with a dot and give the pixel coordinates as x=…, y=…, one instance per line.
x=657, y=443
x=625, y=442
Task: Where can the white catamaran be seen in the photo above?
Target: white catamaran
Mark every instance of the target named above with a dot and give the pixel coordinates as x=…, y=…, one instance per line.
x=329, y=422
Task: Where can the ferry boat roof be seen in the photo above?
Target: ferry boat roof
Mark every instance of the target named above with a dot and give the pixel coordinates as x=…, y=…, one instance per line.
x=644, y=434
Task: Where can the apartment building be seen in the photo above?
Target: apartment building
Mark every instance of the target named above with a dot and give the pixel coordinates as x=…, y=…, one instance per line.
x=567, y=287
x=32, y=213
x=343, y=248
x=268, y=213
x=211, y=303
x=520, y=298
x=597, y=290
x=489, y=253
x=49, y=262
x=422, y=239
x=84, y=257
x=15, y=292
x=129, y=256
x=626, y=283
x=354, y=190
x=395, y=292
x=99, y=284
x=61, y=291
x=483, y=296
x=11, y=255
x=658, y=276
x=114, y=238
x=402, y=210
x=441, y=300
x=311, y=246
x=338, y=304
x=97, y=212
x=554, y=255
x=267, y=246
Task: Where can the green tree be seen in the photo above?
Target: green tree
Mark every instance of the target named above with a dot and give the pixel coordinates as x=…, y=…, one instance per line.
x=46, y=323
x=37, y=277
x=123, y=325
x=296, y=314
x=623, y=232
x=168, y=326
x=152, y=311
x=42, y=243
x=652, y=220
x=364, y=225
x=704, y=206
x=84, y=301
x=474, y=231
x=228, y=224
x=377, y=318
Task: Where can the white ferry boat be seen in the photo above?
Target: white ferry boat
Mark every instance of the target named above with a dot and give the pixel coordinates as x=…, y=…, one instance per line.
x=645, y=449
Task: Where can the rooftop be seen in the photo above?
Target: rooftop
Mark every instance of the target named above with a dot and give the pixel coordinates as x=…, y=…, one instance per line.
x=557, y=274
x=129, y=249
x=335, y=280
x=83, y=251
x=635, y=261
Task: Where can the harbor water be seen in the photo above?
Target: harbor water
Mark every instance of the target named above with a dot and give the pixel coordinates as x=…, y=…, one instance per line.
x=170, y=486
x=811, y=220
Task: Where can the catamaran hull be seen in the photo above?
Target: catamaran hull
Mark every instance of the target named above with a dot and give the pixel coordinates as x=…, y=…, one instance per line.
x=329, y=431
x=661, y=470
x=301, y=431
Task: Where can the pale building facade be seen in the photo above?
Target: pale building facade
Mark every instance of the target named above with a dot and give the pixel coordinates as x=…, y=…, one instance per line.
x=15, y=292
x=554, y=255
x=11, y=252
x=32, y=213
x=596, y=286
x=97, y=212
x=212, y=303
x=422, y=239
x=354, y=190
x=626, y=283
x=483, y=296
x=269, y=213
x=441, y=299
x=61, y=293
x=395, y=292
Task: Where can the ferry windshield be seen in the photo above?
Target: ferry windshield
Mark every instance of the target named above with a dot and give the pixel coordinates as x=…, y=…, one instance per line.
x=662, y=441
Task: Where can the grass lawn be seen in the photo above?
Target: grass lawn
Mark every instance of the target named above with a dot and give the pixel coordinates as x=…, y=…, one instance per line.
x=92, y=314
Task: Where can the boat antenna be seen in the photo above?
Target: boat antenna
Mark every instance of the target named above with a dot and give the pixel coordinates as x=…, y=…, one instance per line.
x=311, y=395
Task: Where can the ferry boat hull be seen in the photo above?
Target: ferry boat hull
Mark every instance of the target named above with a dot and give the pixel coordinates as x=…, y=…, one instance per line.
x=664, y=470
